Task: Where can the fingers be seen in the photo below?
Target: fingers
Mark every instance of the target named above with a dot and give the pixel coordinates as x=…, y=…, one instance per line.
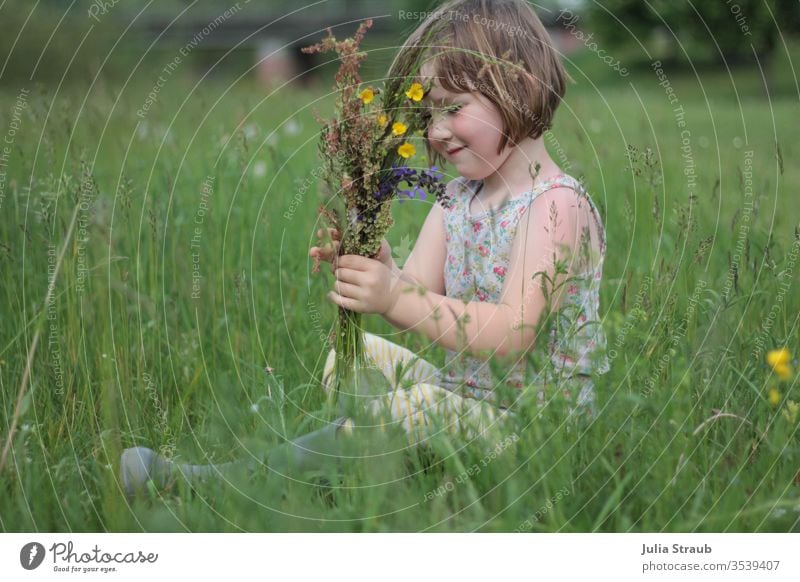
x=347, y=289
x=326, y=252
x=348, y=275
x=316, y=252
x=345, y=302
x=330, y=252
x=331, y=232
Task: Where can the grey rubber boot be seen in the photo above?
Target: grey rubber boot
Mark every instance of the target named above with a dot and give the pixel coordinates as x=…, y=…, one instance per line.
x=138, y=465
x=310, y=451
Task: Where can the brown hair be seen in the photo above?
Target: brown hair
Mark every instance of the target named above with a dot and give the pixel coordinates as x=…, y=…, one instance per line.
x=498, y=48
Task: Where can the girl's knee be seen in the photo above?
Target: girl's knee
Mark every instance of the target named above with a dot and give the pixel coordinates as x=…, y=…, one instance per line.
x=399, y=410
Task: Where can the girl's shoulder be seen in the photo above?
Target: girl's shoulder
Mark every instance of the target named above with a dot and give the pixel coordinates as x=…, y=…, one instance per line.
x=561, y=180
x=567, y=182
x=577, y=186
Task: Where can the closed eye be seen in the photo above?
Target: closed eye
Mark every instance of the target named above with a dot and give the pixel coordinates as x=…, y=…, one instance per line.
x=447, y=110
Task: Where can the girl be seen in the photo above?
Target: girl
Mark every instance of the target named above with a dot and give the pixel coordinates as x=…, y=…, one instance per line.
x=520, y=240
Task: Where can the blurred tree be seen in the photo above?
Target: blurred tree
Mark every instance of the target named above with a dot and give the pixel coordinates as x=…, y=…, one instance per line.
x=719, y=30
x=44, y=41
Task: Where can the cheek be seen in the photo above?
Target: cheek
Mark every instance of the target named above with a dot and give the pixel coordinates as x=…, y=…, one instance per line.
x=483, y=129
x=494, y=131
x=486, y=140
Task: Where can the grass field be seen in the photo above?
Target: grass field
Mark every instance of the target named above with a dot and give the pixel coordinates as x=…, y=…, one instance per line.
x=185, y=230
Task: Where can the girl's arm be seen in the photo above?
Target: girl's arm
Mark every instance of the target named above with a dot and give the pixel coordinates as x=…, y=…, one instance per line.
x=403, y=276
x=425, y=265
x=548, y=232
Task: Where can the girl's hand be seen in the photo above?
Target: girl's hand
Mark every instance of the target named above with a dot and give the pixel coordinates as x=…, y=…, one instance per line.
x=329, y=251
x=364, y=285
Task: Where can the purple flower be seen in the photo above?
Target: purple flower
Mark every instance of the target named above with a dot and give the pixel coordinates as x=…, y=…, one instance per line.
x=420, y=183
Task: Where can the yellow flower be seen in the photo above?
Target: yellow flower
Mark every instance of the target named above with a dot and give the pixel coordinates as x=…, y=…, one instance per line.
x=383, y=120
x=406, y=150
x=367, y=95
x=399, y=128
x=778, y=357
x=774, y=397
x=416, y=92
x=791, y=410
x=784, y=371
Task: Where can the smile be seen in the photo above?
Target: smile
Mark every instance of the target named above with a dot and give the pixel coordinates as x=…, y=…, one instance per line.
x=454, y=151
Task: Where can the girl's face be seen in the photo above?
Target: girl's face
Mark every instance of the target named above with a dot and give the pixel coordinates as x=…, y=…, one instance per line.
x=465, y=128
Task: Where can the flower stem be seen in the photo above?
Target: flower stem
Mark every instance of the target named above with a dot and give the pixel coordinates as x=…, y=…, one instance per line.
x=349, y=357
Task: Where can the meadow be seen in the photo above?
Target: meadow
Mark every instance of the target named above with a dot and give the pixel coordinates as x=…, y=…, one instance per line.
x=153, y=253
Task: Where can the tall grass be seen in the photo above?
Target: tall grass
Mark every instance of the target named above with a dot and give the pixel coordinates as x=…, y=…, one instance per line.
x=135, y=350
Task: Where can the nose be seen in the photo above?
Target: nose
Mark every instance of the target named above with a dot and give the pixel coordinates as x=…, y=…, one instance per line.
x=439, y=130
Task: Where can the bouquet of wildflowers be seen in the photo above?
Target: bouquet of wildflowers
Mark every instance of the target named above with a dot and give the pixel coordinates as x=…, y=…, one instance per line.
x=366, y=148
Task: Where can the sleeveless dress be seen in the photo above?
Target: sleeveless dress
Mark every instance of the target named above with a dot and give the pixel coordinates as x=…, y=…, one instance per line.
x=478, y=257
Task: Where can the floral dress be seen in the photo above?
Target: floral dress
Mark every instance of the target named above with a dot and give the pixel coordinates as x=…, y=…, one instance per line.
x=478, y=253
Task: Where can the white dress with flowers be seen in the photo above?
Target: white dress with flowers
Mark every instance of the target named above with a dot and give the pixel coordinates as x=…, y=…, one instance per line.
x=478, y=253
